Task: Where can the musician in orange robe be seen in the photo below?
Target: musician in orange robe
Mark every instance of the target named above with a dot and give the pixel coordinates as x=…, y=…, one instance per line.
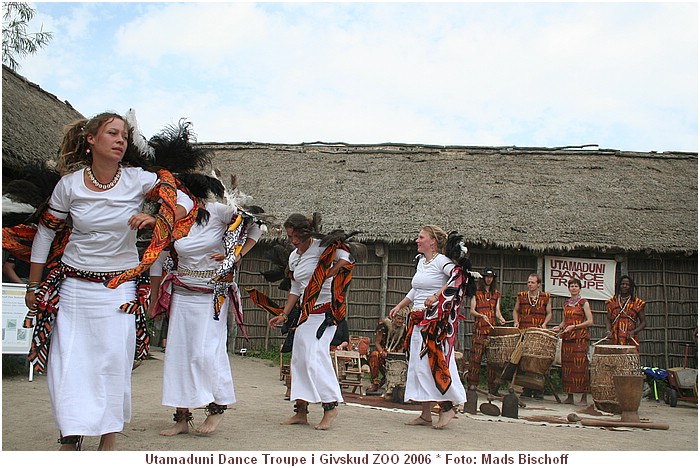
x=625, y=314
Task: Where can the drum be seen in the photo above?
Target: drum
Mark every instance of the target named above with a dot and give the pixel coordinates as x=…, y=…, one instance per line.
x=396, y=370
x=539, y=350
x=557, y=354
x=608, y=361
x=530, y=380
x=502, y=343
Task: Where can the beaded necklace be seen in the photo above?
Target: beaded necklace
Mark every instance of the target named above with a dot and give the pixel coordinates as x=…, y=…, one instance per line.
x=427, y=262
x=574, y=304
x=100, y=185
x=533, y=300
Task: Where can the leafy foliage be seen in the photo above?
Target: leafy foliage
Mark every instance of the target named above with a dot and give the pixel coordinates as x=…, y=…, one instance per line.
x=16, y=41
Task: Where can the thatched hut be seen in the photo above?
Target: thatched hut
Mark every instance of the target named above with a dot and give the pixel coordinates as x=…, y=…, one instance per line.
x=32, y=122
x=513, y=205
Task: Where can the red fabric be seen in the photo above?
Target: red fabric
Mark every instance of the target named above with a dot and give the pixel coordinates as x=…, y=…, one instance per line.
x=574, y=350
x=532, y=316
x=486, y=305
x=624, y=319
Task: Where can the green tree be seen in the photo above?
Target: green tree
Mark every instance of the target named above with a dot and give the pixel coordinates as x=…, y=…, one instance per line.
x=16, y=41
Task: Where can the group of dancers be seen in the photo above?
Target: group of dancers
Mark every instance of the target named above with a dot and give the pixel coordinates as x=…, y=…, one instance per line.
x=88, y=289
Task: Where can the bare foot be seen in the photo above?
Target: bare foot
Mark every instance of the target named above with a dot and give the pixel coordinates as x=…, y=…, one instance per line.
x=445, y=418
x=569, y=400
x=298, y=418
x=328, y=417
x=210, y=424
x=108, y=442
x=68, y=448
x=420, y=421
x=180, y=427
x=583, y=401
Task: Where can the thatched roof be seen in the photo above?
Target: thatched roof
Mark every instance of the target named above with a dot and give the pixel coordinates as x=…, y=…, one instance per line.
x=540, y=199
x=32, y=121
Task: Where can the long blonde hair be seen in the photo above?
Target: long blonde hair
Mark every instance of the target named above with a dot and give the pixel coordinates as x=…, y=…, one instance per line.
x=437, y=233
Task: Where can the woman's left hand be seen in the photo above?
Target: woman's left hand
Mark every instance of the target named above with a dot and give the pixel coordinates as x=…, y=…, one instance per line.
x=430, y=301
x=142, y=221
x=218, y=257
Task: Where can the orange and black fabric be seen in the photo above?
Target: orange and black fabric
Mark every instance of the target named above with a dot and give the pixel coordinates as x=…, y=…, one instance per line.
x=18, y=239
x=166, y=230
x=530, y=316
x=624, y=318
x=339, y=285
x=486, y=304
x=48, y=305
x=265, y=303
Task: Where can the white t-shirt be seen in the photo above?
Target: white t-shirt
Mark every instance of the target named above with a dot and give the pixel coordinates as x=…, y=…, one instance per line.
x=303, y=266
x=429, y=278
x=101, y=239
x=195, y=250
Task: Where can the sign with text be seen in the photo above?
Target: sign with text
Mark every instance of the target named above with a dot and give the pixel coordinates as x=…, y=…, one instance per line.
x=15, y=339
x=597, y=276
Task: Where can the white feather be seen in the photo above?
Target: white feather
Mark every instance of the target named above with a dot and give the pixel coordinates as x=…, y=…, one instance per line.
x=140, y=141
x=10, y=206
x=463, y=248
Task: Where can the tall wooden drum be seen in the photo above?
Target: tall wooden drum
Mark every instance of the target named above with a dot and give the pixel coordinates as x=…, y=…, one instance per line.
x=608, y=361
x=502, y=343
x=539, y=350
x=396, y=370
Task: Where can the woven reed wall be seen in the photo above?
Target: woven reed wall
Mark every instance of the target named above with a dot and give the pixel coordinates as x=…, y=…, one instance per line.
x=667, y=284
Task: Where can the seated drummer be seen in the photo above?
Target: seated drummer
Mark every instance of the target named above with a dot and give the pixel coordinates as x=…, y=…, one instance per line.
x=389, y=338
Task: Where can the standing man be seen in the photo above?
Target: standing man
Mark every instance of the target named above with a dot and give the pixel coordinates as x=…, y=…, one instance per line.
x=533, y=309
x=625, y=314
x=486, y=309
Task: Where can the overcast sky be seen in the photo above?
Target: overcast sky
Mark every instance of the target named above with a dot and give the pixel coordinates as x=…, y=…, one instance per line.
x=619, y=75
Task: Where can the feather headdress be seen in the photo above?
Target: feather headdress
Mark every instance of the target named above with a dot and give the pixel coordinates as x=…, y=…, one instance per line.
x=24, y=197
x=458, y=253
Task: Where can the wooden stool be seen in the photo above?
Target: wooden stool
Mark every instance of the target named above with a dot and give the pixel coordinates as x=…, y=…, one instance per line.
x=348, y=370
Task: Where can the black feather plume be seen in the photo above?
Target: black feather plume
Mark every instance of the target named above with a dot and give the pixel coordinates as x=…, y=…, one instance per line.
x=202, y=186
x=458, y=253
x=32, y=185
x=175, y=150
x=278, y=256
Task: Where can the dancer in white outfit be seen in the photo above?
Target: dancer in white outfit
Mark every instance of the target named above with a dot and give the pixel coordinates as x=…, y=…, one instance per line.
x=435, y=297
x=93, y=341
x=197, y=371
x=313, y=377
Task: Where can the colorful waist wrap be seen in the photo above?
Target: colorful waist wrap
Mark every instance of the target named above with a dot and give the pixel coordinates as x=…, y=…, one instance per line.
x=220, y=289
x=18, y=240
x=439, y=329
x=43, y=317
x=339, y=287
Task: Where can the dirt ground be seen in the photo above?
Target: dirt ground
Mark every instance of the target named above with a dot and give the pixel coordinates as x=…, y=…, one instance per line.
x=252, y=424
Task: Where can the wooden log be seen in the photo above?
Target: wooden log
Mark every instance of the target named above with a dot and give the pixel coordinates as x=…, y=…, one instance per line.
x=618, y=423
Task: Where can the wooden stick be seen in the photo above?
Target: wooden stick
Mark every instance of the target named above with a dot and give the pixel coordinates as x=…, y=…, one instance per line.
x=600, y=341
x=613, y=423
x=635, y=341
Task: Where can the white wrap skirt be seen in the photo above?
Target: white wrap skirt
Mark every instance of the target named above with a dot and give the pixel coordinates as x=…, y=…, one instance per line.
x=313, y=377
x=197, y=370
x=420, y=383
x=90, y=358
